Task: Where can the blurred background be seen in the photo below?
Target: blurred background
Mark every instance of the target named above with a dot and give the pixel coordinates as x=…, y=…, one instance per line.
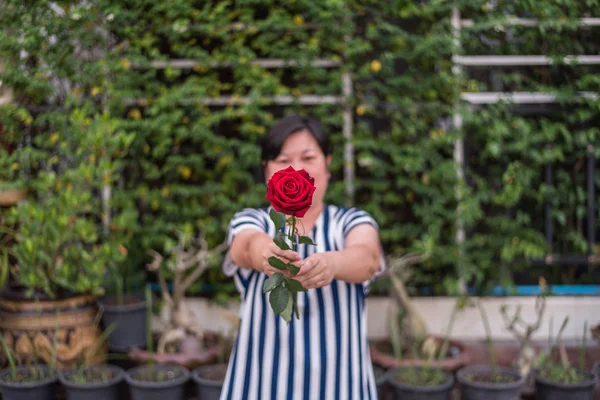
x=468, y=129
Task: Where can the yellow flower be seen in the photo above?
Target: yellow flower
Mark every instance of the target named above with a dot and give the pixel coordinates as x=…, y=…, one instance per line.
x=360, y=110
x=135, y=114
x=125, y=63
x=375, y=65
x=185, y=172
x=95, y=91
x=164, y=192
x=54, y=138
x=298, y=20
x=92, y=159
x=14, y=166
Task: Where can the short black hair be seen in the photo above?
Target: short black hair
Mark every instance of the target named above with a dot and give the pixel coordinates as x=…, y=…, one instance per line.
x=282, y=129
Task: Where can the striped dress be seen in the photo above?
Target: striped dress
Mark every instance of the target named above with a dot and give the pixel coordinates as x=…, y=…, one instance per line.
x=322, y=356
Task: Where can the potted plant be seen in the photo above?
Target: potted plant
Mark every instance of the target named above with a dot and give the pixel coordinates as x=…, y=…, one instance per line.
x=93, y=382
x=34, y=381
x=410, y=342
x=124, y=308
x=156, y=381
x=209, y=378
x=523, y=332
x=180, y=341
x=481, y=382
x=58, y=267
x=425, y=381
x=561, y=380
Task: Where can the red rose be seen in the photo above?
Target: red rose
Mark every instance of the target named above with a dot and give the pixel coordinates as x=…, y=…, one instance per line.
x=290, y=191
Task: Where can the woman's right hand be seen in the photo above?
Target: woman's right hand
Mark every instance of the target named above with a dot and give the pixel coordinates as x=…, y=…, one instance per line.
x=270, y=249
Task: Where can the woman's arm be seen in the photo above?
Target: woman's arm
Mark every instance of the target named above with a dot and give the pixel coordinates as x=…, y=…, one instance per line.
x=360, y=259
x=356, y=263
x=252, y=249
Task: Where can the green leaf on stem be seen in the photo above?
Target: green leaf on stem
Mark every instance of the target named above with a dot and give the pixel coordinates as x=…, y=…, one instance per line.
x=274, y=281
x=280, y=241
x=277, y=263
x=293, y=269
x=294, y=285
x=306, y=240
x=279, y=299
x=287, y=313
x=277, y=218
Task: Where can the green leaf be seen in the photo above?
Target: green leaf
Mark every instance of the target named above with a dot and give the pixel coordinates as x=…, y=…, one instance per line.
x=293, y=269
x=279, y=299
x=306, y=240
x=287, y=313
x=280, y=241
x=277, y=263
x=277, y=218
x=273, y=282
x=294, y=286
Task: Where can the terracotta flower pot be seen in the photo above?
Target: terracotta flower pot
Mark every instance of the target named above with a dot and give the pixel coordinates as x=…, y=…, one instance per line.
x=10, y=197
x=386, y=360
x=27, y=324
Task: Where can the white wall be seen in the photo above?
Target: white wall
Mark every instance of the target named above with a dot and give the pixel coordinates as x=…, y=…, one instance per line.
x=437, y=310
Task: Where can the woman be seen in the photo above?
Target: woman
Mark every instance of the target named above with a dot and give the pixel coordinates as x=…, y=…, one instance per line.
x=324, y=354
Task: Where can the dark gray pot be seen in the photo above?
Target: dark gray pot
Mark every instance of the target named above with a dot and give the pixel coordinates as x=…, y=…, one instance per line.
x=93, y=391
x=41, y=390
x=407, y=391
x=384, y=391
x=173, y=389
x=130, y=324
x=488, y=390
x=547, y=390
x=208, y=389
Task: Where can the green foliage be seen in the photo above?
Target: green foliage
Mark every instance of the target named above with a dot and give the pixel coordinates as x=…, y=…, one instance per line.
x=93, y=103
x=425, y=376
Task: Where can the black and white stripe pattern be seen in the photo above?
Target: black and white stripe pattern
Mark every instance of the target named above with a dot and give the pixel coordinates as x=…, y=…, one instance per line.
x=324, y=355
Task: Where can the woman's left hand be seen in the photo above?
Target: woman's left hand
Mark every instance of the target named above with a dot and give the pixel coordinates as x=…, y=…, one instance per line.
x=316, y=271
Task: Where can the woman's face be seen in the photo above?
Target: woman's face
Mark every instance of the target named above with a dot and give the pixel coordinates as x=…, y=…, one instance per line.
x=302, y=151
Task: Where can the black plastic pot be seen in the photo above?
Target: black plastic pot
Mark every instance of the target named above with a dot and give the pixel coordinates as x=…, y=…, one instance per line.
x=474, y=390
x=208, y=388
x=384, y=391
x=172, y=389
x=44, y=389
x=407, y=391
x=108, y=390
x=130, y=323
x=548, y=390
